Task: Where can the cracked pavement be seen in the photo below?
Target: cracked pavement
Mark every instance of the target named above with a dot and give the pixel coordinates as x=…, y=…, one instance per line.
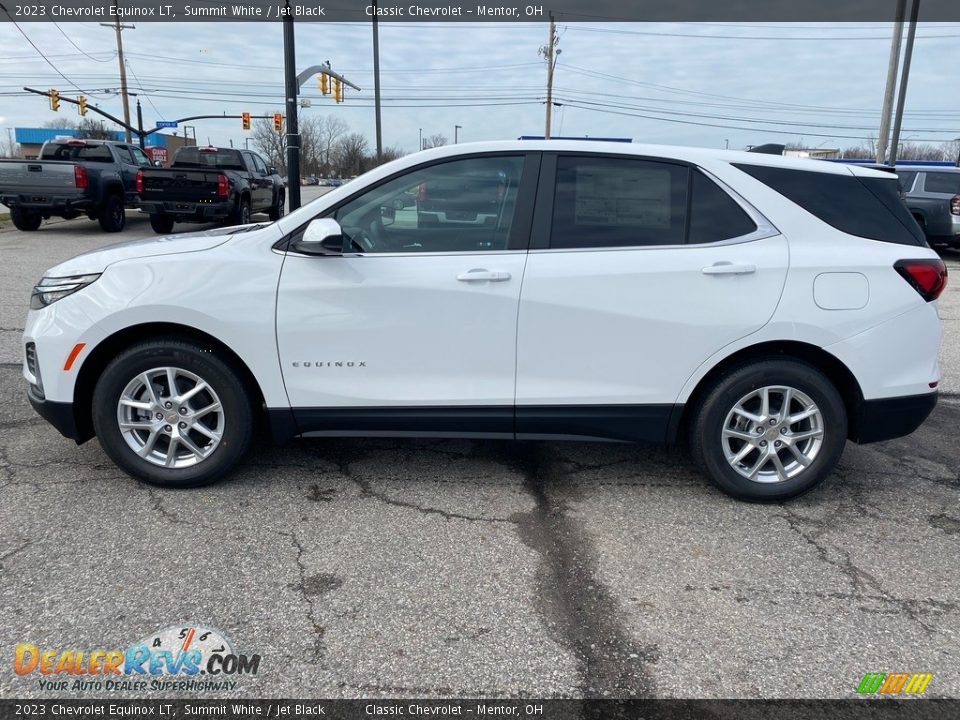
x=384, y=568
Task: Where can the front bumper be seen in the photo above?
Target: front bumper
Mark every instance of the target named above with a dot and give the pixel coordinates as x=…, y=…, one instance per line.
x=889, y=418
x=58, y=414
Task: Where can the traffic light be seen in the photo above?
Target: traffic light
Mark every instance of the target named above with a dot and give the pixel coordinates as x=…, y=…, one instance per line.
x=246, y=121
x=337, y=90
x=278, y=122
x=54, y=100
x=324, y=84
x=82, y=102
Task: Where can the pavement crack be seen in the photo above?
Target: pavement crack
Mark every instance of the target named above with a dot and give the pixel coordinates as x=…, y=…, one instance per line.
x=577, y=608
x=308, y=591
x=10, y=553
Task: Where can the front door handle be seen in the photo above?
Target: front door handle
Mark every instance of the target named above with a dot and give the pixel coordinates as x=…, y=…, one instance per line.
x=729, y=268
x=483, y=275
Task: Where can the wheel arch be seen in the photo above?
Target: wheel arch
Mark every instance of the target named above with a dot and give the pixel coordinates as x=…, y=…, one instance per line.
x=109, y=347
x=836, y=372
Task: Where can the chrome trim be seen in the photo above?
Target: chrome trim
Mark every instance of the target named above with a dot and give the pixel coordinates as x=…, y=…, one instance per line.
x=461, y=253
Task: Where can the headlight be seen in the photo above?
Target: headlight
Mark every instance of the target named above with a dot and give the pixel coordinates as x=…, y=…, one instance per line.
x=51, y=289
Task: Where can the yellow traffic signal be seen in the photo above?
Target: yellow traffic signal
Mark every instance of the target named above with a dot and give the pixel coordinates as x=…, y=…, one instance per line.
x=82, y=102
x=246, y=121
x=278, y=122
x=324, y=84
x=54, y=100
x=337, y=90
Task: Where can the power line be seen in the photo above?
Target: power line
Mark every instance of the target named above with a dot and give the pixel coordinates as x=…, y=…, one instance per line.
x=70, y=40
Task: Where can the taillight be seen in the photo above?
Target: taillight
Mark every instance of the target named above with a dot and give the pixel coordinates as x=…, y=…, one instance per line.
x=223, y=187
x=139, y=181
x=955, y=205
x=928, y=277
x=80, y=176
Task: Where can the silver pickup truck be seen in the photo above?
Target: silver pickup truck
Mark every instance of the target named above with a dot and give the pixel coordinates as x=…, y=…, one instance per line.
x=932, y=194
x=73, y=177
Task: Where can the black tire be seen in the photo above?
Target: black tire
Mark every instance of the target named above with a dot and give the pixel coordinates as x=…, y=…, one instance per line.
x=220, y=376
x=112, y=216
x=161, y=223
x=25, y=220
x=241, y=213
x=276, y=212
x=711, y=417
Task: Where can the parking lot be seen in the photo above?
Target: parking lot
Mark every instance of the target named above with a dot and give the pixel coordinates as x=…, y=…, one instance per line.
x=480, y=568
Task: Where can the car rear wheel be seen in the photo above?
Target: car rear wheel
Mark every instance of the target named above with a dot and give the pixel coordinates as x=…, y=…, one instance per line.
x=112, y=216
x=241, y=214
x=769, y=430
x=161, y=223
x=172, y=413
x=25, y=220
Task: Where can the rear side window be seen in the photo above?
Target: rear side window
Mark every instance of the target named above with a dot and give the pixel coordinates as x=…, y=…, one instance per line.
x=613, y=202
x=906, y=179
x=941, y=182
x=714, y=215
x=866, y=207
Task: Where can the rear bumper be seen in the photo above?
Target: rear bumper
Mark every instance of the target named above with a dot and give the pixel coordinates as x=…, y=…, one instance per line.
x=890, y=418
x=46, y=204
x=58, y=414
x=188, y=211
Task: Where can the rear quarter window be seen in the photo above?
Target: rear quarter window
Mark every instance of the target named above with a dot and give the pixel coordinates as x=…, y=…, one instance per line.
x=867, y=207
x=941, y=182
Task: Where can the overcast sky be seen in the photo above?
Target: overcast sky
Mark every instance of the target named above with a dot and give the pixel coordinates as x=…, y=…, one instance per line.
x=811, y=83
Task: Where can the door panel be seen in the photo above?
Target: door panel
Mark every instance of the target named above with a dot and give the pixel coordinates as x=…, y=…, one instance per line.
x=630, y=326
x=394, y=330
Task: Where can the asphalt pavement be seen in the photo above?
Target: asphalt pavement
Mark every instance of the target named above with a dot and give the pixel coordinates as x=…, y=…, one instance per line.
x=384, y=568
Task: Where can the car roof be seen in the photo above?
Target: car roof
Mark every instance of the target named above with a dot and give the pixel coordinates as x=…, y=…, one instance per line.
x=695, y=155
x=929, y=168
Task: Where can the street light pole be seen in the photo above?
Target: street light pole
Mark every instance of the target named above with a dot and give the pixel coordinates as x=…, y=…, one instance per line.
x=904, y=77
x=455, y=128
x=421, y=139
x=293, y=130
x=376, y=81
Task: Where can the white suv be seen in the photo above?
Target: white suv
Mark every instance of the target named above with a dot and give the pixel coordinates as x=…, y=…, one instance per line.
x=767, y=309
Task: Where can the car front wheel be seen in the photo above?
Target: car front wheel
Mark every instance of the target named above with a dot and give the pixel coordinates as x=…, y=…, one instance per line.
x=769, y=430
x=172, y=413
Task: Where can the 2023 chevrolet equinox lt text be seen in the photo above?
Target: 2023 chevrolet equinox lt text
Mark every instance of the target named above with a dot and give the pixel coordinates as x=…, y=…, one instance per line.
x=766, y=308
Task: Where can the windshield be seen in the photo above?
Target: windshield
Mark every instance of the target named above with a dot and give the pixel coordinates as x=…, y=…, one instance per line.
x=93, y=153
x=218, y=159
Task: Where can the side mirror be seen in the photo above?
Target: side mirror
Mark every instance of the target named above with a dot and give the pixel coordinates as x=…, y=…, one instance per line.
x=271, y=170
x=322, y=237
x=388, y=214
x=157, y=163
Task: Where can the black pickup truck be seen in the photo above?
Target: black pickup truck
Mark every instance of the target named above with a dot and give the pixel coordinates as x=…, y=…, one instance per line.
x=73, y=177
x=208, y=184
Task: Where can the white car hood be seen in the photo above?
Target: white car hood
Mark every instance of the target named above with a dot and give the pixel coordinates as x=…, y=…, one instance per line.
x=96, y=261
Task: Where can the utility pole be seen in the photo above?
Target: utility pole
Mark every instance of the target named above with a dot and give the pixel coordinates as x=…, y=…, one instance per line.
x=892, y=67
x=118, y=28
x=293, y=130
x=904, y=77
x=455, y=129
x=421, y=140
x=376, y=80
x=139, y=125
x=549, y=52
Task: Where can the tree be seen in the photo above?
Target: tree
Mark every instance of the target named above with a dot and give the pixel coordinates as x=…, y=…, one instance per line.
x=437, y=140
x=8, y=146
x=330, y=131
x=60, y=123
x=269, y=143
x=91, y=129
x=350, y=153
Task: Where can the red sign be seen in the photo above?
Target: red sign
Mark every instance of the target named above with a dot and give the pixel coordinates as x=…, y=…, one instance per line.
x=157, y=153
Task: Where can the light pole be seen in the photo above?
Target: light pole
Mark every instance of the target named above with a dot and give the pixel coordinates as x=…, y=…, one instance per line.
x=421, y=139
x=455, y=128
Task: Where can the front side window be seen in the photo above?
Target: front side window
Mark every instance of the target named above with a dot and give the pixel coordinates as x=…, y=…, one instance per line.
x=140, y=157
x=458, y=206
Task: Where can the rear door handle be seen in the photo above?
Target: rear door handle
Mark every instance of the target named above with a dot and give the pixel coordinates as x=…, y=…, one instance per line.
x=483, y=275
x=729, y=268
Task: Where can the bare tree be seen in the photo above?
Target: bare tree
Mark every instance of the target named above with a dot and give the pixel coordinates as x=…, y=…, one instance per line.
x=330, y=131
x=91, y=129
x=437, y=140
x=9, y=148
x=389, y=154
x=310, y=145
x=60, y=123
x=269, y=143
x=350, y=153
